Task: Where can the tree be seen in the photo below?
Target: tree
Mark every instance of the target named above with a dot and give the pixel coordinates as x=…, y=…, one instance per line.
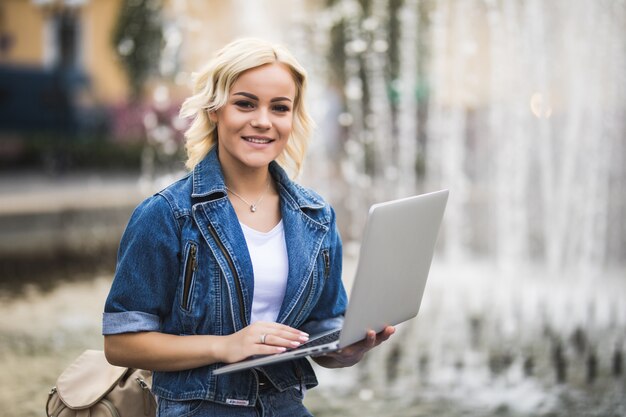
x=138, y=40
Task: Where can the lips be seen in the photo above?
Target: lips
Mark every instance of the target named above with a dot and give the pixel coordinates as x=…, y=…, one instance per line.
x=261, y=140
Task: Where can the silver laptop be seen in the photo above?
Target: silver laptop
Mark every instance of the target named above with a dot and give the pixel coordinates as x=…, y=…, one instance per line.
x=394, y=261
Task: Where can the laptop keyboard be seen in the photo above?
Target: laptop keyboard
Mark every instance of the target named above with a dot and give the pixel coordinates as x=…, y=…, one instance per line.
x=328, y=338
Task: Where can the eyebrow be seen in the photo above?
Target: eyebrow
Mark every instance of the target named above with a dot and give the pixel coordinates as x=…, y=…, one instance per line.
x=253, y=97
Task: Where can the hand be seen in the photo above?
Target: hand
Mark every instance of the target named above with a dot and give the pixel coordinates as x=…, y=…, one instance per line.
x=248, y=341
x=352, y=354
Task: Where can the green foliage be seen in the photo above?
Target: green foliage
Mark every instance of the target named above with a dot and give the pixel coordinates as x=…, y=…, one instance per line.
x=138, y=40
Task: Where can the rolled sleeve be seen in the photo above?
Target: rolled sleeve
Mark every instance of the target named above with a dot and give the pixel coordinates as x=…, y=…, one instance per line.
x=129, y=322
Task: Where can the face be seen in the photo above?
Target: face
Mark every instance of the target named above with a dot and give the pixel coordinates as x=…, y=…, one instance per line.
x=255, y=123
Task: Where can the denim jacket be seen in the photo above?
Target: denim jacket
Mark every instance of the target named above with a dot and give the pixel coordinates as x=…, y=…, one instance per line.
x=184, y=268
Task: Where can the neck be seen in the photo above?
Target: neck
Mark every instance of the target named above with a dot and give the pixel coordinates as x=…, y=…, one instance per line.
x=247, y=181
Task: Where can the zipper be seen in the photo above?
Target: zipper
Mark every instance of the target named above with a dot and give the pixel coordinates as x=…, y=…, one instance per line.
x=231, y=265
x=147, y=397
x=326, y=256
x=190, y=268
x=56, y=411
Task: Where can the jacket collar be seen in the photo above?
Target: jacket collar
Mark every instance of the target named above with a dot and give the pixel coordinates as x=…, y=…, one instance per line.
x=207, y=176
x=208, y=180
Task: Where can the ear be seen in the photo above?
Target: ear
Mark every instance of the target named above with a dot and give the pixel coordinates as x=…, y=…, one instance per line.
x=212, y=116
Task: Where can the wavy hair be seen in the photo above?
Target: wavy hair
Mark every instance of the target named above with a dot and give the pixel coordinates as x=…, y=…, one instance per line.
x=212, y=86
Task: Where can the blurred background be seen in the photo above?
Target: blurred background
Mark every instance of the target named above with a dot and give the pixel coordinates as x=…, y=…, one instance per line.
x=517, y=106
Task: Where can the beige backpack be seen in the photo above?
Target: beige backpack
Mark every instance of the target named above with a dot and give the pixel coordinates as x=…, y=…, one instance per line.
x=91, y=387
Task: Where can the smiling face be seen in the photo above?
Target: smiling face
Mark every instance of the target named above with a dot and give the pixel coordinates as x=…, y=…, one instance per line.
x=254, y=125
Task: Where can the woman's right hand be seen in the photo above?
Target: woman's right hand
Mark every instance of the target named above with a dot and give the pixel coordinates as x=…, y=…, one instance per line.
x=167, y=352
x=260, y=338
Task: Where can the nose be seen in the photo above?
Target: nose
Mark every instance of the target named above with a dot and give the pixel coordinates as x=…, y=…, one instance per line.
x=261, y=121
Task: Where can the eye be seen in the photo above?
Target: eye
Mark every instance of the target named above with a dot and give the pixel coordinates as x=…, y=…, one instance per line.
x=281, y=108
x=244, y=104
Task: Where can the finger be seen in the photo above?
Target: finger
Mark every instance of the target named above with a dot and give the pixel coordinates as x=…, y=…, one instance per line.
x=268, y=349
x=275, y=340
x=280, y=338
x=282, y=331
x=291, y=336
x=385, y=334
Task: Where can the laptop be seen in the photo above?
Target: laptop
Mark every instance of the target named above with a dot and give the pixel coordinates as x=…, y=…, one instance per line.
x=394, y=261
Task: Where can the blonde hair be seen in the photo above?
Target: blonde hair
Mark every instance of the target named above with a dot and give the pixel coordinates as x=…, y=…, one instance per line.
x=212, y=86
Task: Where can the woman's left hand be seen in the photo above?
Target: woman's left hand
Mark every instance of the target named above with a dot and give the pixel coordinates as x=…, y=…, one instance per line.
x=352, y=354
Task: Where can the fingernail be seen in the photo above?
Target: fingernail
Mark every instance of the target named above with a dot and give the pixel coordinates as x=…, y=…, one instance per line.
x=304, y=334
x=295, y=343
x=281, y=349
x=304, y=338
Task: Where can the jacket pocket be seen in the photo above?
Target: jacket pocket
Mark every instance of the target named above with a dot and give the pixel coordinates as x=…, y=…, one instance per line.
x=191, y=264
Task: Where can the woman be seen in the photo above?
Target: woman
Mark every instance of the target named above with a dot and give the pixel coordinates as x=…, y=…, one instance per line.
x=235, y=259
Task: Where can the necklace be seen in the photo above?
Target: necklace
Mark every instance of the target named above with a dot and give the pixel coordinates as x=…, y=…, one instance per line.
x=254, y=205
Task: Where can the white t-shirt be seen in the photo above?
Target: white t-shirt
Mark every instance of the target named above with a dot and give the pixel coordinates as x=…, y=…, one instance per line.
x=268, y=252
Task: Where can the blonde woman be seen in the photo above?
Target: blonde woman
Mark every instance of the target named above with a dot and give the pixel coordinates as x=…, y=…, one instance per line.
x=235, y=259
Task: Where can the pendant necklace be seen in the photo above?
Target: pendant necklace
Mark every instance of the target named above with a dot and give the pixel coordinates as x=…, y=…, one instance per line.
x=254, y=205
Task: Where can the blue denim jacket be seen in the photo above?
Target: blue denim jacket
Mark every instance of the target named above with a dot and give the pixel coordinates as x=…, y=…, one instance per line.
x=183, y=268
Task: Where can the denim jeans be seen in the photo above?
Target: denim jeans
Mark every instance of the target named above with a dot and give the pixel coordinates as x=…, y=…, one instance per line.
x=270, y=403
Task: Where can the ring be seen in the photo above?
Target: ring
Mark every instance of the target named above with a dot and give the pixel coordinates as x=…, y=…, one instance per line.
x=263, y=336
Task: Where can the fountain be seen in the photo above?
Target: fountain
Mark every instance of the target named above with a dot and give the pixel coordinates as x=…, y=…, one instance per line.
x=523, y=120
x=517, y=108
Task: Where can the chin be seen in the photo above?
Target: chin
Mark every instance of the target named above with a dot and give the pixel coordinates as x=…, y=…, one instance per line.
x=257, y=162
x=260, y=159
